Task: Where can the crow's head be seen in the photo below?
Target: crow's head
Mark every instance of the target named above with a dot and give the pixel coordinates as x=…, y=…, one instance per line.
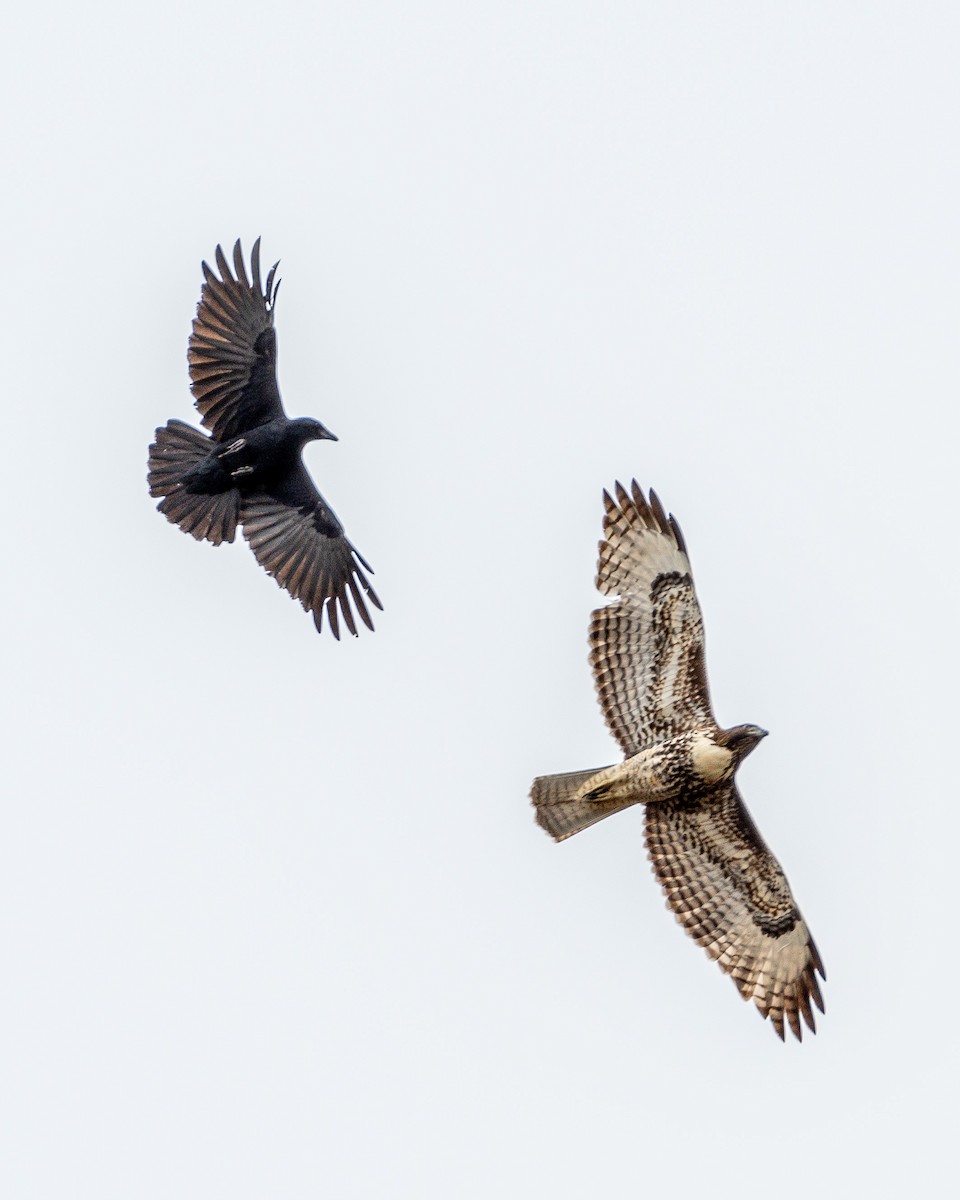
x=309, y=430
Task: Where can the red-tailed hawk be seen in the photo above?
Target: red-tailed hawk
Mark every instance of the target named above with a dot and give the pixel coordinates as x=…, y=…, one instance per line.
x=725, y=887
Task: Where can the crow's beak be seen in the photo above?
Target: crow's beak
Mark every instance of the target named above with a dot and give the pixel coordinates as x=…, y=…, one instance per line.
x=327, y=435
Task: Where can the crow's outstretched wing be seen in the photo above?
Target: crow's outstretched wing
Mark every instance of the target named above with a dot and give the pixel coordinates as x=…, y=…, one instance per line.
x=233, y=348
x=647, y=646
x=297, y=539
x=732, y=897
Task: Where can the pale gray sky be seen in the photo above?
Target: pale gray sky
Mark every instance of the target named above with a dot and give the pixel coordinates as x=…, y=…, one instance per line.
x=276, y=919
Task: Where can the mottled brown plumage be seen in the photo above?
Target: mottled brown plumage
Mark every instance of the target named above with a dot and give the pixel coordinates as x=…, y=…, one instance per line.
x=647, y=653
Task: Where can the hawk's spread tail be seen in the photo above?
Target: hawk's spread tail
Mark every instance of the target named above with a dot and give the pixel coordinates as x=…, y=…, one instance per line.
x=562, y=803
x=178, y=450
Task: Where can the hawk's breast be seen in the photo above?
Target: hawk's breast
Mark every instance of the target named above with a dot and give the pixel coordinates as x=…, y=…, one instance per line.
x=710, y=761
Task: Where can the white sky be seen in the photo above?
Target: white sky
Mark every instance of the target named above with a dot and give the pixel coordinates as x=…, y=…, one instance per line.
x=275, y=919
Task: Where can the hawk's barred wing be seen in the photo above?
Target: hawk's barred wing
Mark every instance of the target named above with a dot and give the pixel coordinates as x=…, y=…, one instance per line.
x=297, y=538
x=233, y=348
x=647, y=646
x=732, y=897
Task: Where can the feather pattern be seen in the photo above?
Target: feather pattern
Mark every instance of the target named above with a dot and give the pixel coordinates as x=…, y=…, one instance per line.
x=647, y=647
x=204, y=515
x=297, y=538
x=232, y=352
x=731, y=895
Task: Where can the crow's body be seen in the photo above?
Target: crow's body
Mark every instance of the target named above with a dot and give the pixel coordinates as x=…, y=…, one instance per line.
x=250, y=471
x=259, y=460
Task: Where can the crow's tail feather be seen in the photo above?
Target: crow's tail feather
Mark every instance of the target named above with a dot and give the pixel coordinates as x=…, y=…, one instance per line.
x=179, y=449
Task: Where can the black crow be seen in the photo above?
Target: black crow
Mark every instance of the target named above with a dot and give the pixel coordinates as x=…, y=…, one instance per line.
x=249, y=472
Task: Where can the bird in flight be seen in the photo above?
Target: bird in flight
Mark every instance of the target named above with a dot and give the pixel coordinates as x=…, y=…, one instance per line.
x=249, y=472
x=647, y=654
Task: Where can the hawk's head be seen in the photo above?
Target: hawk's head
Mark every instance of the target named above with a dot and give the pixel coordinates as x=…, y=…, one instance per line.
x=741, y=739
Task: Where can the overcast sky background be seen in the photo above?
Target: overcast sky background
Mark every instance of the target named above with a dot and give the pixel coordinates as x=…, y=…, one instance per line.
x=275, y=916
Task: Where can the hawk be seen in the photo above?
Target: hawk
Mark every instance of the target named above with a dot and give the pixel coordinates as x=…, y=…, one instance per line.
x=723, y=884
x=250, y=472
